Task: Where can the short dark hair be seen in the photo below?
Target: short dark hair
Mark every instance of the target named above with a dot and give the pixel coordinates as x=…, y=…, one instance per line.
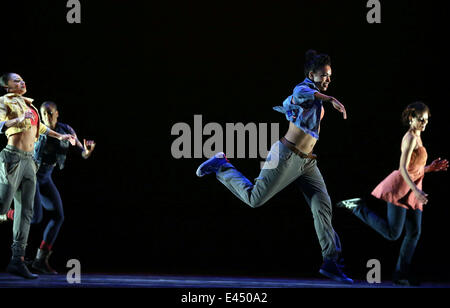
x=315, y=61
x=4, y=80
x=414, y=110
x=50, y=104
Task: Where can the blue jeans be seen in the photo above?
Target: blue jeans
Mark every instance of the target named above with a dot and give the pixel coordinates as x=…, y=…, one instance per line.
x=281, y=168
x=398, y=218
x=47, y=196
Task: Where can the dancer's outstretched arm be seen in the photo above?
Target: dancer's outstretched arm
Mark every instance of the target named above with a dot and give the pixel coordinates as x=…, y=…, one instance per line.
x=336, y=104
x=59, y=136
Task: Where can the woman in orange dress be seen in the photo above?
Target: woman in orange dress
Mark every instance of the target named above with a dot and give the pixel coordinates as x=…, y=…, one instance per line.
x=402, y=190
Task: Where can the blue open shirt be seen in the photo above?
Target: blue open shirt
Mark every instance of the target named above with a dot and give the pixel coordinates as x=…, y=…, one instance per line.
x=302, y=108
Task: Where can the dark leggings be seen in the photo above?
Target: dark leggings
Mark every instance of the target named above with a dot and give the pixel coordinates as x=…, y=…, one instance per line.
x=397, y=219
x=47, y=196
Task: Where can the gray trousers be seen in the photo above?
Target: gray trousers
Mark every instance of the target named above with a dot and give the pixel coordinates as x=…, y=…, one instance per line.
x=281, y=168
x=18, y=182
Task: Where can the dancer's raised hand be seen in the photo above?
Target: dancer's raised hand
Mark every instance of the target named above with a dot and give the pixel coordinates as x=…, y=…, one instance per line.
x=438, y=165
x=338, y=106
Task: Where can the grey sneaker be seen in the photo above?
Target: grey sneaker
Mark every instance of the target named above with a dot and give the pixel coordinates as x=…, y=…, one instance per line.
x=212, y=165
x=350, y=204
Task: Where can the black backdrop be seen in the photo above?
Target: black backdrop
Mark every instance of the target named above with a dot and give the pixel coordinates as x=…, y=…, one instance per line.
x=130, y=71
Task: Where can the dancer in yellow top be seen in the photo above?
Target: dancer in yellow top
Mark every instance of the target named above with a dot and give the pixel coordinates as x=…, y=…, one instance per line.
x=17, y=166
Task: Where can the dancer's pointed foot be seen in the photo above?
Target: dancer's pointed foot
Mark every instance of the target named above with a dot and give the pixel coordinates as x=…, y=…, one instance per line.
x=333, y=271
x=350, y=204
x=212, y=165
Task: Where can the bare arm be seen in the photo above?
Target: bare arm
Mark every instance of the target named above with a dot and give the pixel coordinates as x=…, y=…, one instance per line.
x=77, y=142
x=26, y=115
x=408, y=145
x=336, y=104
x=8, y=123
x=56, y=135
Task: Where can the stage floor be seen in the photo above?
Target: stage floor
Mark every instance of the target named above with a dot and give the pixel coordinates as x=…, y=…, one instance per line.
x=92, y=280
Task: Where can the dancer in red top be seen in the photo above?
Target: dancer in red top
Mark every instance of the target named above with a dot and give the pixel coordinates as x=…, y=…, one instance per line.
x=402, y=190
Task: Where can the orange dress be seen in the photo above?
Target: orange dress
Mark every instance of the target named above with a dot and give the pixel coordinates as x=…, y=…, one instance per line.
x=395, y=190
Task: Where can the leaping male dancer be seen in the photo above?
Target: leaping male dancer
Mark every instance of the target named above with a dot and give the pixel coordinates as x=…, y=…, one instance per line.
x=290, y=159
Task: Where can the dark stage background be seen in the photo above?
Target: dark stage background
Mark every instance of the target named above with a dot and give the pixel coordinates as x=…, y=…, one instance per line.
x=130, y=71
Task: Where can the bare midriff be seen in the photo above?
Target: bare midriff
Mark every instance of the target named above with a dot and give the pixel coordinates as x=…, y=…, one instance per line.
x=24, y=140
x=303, y=141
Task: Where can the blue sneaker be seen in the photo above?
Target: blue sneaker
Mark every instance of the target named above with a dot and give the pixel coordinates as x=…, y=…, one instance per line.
x=332, y=270
x=212, y=165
